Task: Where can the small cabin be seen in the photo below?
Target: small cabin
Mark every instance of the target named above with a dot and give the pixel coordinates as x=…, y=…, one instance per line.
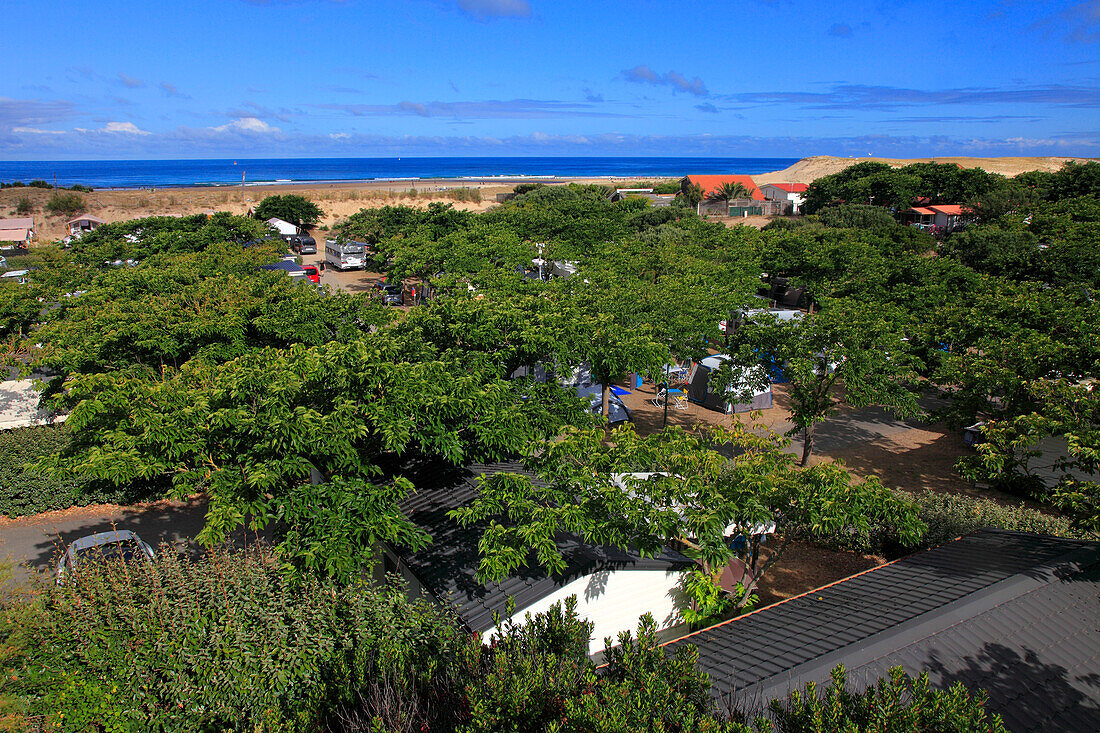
x=85, y=223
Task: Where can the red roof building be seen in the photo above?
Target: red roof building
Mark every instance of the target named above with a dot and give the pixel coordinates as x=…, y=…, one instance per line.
x=711, y=183
x=790, y=187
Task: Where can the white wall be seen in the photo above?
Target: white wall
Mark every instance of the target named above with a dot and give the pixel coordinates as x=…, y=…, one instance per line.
x=614, y=600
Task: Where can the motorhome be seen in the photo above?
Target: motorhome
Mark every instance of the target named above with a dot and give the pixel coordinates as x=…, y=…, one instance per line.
x=346, y=255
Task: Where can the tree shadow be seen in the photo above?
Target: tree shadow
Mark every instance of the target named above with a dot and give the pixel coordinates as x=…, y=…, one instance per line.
x=166, y=525
x=1027, y=692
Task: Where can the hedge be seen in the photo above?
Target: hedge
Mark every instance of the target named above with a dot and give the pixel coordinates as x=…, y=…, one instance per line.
x=24, y=491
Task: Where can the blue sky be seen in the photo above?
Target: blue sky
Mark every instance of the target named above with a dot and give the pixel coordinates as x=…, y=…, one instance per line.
x=364, y=78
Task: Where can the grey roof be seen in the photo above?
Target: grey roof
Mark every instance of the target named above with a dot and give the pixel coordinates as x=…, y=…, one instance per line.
x=1012, y=613
x=448, y=566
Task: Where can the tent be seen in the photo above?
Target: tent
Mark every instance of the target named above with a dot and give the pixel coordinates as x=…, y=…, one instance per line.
x=617, y=412
x=751, y=380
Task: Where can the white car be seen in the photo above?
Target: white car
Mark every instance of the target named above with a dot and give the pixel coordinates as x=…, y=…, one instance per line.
x=121, y=544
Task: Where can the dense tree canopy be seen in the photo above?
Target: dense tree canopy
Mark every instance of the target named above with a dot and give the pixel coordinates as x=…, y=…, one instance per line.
x=191, y=367
x=297, y=210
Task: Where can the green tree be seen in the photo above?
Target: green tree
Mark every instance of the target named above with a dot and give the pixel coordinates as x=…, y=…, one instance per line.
x=847, y=353
x=298, y=210
x=730, y=191
x=673, y=487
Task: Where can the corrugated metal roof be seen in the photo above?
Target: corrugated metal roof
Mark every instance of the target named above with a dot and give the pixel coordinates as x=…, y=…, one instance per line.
x=448, y=566
x=25, y=222
x=1013, y=613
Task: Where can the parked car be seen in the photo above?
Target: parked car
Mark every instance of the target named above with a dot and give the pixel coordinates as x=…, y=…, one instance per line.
x=303, y=244
x=121, y=544
x=312, y=273
x=391, y=293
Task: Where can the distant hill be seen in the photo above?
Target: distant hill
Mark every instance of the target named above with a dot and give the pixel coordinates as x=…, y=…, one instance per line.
x=807, y=169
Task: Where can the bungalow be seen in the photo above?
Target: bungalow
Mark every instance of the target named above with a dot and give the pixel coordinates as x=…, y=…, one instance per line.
x=945, y=217
x=17, y=232
x=950, y=217
x=613, y=587
x=790, y=194
x=85, y=223
x=753, y=205
x=1008, y=612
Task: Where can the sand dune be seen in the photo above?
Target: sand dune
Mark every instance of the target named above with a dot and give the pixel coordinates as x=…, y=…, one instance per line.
x=807, y=169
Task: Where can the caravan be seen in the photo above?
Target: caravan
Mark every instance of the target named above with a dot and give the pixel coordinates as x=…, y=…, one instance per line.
x=345, y=255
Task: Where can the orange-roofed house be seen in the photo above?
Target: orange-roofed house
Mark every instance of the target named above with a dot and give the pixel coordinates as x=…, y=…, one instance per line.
x=940, y=217
x=789, y=194
x=755, y=205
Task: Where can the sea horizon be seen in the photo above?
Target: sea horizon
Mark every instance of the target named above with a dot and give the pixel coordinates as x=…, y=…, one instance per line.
x=128, y=174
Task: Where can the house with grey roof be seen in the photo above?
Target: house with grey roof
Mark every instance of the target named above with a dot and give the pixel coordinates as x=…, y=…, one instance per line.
x=1012, y=613
x=613, y=587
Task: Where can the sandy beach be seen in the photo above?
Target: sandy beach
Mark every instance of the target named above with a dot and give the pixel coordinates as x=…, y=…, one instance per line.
x=340, y=199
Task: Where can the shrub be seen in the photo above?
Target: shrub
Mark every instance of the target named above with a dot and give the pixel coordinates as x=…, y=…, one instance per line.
x=24, y=206
x=856, y=216
x=897, y=703
x=39, y=183
x=225, y=643
x=947, y=516
x=950, y=515
x=65, y=204
x=25, y=491
x=81, y=188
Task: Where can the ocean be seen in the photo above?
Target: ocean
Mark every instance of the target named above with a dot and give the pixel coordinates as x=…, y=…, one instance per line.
x=172, y=173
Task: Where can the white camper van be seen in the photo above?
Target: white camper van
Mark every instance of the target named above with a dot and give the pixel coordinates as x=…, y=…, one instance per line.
x=345, y=256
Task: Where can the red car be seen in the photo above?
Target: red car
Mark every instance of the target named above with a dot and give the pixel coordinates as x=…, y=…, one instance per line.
x=312, y=273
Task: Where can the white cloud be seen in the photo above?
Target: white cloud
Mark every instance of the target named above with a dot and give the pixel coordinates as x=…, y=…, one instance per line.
x=246, y=124
x=36, y=131
x=128, y=128
x=120, y=128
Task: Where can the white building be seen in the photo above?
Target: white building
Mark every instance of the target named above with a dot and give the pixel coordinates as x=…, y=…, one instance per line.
x=613, y=587
x=790, y=194
x=284, y=228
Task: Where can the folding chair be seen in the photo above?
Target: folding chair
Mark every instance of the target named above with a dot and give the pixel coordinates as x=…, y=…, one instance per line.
x=681, y=401
x=660, y=399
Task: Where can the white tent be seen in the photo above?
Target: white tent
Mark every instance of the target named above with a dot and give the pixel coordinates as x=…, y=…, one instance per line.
x=285, y=228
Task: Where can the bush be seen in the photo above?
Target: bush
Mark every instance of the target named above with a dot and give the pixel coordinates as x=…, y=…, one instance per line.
x=24, y=206
x=65, y=204
x=856, y=216
x=221, y=644
x=950, y=515
x=25, y=491
x=897, y=703
x=39, y=183
x=947, y=517
x=81, y=188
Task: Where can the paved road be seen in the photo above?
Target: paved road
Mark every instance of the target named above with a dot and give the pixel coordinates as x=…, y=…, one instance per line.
x=35, y=542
